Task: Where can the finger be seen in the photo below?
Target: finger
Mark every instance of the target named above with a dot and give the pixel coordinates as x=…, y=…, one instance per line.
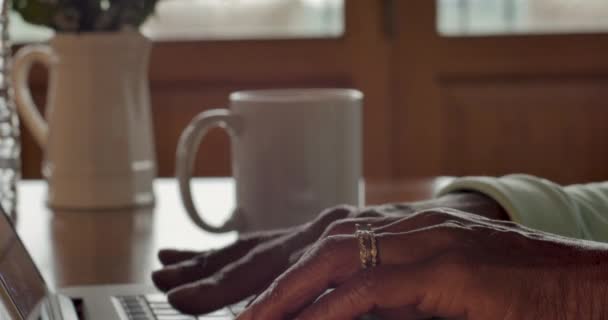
x=423, y=289
x=250, y=274
x=370, y=212
x=173, y=256
x=344, y=227
x=337, y=259
x=207, y=263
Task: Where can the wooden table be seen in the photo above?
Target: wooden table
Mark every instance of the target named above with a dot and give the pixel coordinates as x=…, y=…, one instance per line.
x=101, y=247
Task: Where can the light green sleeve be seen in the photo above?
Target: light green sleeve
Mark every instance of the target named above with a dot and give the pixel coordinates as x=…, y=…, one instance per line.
x=578, y=211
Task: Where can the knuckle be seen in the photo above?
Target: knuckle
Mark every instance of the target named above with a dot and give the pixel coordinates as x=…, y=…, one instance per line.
x=432, y=217
x=339, y=227
x=327, y=217
x=215, y=280
x=453, y=227
x=459, y=215
x=440, y=215
x=336, y=213
x=367, y=213
x=510, y=224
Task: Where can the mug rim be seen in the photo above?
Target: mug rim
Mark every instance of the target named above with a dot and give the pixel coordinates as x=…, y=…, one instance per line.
x=296, y=95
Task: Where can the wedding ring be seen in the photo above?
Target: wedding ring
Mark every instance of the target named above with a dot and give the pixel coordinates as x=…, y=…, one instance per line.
x=368, y=248
x=364, y=254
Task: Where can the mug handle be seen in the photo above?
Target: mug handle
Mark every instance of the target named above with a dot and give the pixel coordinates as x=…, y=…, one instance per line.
x=186, y=154
x=24, y=60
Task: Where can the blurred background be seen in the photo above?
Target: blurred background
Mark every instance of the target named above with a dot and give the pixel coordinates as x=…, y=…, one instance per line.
x=453, y=87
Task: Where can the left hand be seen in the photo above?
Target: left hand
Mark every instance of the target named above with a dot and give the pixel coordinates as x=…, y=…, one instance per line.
x=443, y=263
x=201, y=282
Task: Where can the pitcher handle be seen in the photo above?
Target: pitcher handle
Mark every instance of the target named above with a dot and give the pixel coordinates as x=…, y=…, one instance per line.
x=25, y=58
x=186, y=154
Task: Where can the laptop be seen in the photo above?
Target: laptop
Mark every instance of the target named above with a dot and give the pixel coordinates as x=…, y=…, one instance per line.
x=25, y=296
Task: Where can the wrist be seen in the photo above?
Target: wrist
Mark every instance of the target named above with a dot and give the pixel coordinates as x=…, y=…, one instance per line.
x=472, y=202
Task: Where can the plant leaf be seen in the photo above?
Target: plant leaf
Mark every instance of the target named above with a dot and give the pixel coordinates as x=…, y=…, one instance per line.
x=85, y=15
x=36, y=12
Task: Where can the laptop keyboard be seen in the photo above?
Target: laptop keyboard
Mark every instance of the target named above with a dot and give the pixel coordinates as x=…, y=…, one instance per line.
x=156, y=307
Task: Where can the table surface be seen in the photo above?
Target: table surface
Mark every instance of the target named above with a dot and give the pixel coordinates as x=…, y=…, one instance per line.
x=100, y=247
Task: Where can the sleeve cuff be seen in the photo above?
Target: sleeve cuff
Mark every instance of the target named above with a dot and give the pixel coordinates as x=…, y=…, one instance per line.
x=534, y=202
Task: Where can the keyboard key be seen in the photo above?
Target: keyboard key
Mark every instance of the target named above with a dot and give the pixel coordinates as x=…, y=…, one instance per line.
x=156, y=307
x=230, y=317
x=165, y=312
x=156, y=298
x=136, y=308
x=220, y=313
x=176, y=317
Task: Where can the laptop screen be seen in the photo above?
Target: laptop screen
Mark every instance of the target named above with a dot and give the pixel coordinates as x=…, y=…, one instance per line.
x=18, y=273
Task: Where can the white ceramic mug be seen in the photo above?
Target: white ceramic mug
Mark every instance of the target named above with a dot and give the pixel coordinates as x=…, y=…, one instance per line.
x=295, y=152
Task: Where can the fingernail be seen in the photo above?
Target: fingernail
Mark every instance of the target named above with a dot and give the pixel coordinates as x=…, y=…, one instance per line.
x=157, y=279
x=175, y=298
x=166, y=255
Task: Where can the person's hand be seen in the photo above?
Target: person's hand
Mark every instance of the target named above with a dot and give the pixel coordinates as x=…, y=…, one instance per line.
x=200, y=282
x=443, y=263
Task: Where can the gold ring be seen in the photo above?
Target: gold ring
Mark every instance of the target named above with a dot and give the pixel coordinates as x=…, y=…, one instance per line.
x=368, y=249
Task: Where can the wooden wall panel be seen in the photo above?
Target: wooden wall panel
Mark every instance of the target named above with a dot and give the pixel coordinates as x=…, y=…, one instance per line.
x=550, y=127
x=498, y=104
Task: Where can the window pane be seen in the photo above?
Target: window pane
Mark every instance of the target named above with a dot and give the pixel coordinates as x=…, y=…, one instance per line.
x=246, y=19
x=21, y=32
x=229, y=19
x=503, y=17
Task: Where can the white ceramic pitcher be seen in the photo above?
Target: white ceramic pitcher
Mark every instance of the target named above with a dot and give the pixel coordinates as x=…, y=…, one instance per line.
x=97, y=135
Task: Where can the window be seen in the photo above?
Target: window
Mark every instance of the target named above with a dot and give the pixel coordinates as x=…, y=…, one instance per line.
x=504, y=17
x=228, y=19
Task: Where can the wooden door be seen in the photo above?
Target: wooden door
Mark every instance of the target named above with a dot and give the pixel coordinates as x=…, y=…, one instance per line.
x=493, y=105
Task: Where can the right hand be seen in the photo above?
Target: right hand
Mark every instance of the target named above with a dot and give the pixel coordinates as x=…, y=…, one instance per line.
x=201, y=282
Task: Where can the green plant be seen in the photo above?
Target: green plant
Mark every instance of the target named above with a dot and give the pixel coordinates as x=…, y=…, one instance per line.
x=85, y=15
